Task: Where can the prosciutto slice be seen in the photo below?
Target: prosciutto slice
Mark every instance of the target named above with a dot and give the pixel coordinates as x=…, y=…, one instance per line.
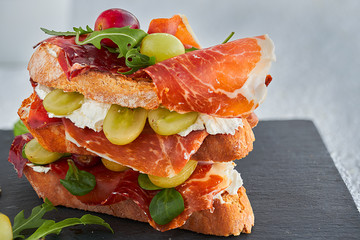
x=149, y=153
x=227, y=80
x=74, y=58
x=112, y=187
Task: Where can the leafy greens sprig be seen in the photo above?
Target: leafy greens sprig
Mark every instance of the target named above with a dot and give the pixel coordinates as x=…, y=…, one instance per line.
x=79, y=30
x=127, y=40
x=33, y=221
x=19, y=128
x=45, y=226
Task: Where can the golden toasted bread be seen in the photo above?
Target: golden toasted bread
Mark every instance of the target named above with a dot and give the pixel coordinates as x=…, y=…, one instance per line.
x=232, y=217
x=105, y=87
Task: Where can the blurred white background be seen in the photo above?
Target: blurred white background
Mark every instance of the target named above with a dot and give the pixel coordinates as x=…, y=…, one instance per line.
x=316, y=75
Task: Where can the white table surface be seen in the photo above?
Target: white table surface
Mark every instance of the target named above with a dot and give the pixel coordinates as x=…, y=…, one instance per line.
x=316, y=75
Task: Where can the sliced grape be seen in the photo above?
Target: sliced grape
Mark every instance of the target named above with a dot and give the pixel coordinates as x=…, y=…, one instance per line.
x=35, y=153
x=5, y=228
x=113, y=166
x=123, y=125
x=59, y=102
x=165, y=122
x=162, y=46
x=178, y=179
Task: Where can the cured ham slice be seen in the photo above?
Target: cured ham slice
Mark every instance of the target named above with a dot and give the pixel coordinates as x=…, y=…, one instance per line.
x=227, y=80
x=74, y=58
x=149, y=153
x=178, y=26
x=112, y=187
x=15, y=154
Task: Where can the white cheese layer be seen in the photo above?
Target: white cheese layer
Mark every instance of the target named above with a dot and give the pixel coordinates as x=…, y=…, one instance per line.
x=232, y=181
x=39, y=169
x=214, y=125
x=235, y=182
x=92, y=114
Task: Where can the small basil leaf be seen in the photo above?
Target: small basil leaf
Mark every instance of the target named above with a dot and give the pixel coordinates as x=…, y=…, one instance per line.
x=191, y=49
x=166, y=205
x=145, y=183
x=20, y=128
x=78, y=182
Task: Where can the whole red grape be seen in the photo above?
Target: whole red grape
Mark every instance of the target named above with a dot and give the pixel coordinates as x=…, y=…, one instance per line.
x=115, y=18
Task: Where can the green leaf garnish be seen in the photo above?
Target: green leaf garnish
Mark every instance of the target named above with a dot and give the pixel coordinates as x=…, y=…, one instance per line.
x=228, y=38
x=50, y=226
x=191, y=49
x=166, y=205
x=125, y=38
x=78, y=182
x=19, y=128
x=45, y=226
x=145, y=183
x=78, y=30
x=135, y=60
x=33, y=221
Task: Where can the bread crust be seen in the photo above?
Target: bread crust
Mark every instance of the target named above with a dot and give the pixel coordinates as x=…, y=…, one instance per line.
x=233, y=217
x=218, y=148
x=105, y=87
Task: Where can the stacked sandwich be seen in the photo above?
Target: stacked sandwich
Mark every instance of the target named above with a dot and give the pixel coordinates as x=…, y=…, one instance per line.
x=154, y=143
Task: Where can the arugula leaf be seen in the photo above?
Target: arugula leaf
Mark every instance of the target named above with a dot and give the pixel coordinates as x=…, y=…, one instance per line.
x=78, y=182
x=228, y=38
x=50, y=226
x=33, y=221
x=125, y=38
x=135, y=60
x=166, y=205
x=191, y=49
x=145, y=183
x=79, y=30
x=19, y=128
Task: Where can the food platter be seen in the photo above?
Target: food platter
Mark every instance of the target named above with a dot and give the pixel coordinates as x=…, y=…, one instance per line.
x=294, y=187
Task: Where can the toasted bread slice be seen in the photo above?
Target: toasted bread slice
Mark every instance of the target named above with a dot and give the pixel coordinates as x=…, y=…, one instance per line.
x=232, y=217
x=219, y=148
x=106, y=87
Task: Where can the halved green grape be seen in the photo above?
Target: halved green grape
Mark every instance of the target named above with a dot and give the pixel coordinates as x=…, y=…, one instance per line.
x=59, y=102
x=5, y=228
x=35, y=153
x=123, y=125
x=162, y=46
x=178, y=179
x=113, y=166
x=165, y=122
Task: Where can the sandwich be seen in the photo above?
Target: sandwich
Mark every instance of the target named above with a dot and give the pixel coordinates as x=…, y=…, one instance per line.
x=122, y=122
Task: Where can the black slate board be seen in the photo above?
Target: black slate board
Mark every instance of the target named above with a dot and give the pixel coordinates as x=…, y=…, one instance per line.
x=294, y=188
